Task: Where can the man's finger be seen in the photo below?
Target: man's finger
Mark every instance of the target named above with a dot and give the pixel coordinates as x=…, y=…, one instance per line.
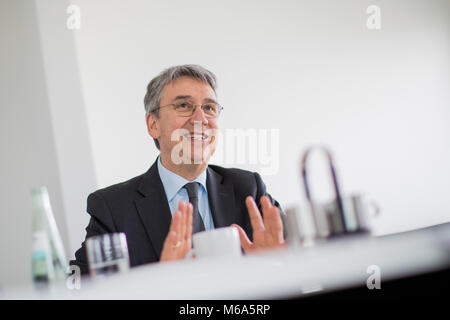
x=272, y=219
x=187, y=245
x=255, y=215
x=167, y=252
x=190, y=210
x=170, y=239
x=246, y=244
x=276, y=225
x=265, y=207
x=176, y=222
x=182, y=207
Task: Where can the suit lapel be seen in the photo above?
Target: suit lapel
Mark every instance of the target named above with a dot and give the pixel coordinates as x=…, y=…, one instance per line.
x=221, y=199
x=154, y=208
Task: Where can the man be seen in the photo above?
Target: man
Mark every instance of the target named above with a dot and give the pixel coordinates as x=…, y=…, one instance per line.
x=181, y=194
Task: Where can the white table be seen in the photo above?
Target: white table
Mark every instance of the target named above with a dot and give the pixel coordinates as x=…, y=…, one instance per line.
x=289, y=273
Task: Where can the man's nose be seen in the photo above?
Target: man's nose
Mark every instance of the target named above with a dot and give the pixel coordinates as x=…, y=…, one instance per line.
x=199, y=115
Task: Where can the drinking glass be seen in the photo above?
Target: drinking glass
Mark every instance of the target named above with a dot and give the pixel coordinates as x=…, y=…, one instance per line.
x=107, y=254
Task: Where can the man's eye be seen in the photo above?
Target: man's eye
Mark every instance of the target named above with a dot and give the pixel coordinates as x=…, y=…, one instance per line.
x=209, y=107
x=183, y=106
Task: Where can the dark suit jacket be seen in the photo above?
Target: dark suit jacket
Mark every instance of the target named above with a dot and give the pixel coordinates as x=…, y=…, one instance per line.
x=139, y=208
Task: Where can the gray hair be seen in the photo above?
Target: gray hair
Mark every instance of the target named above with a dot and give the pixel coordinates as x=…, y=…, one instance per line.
x=155, y=87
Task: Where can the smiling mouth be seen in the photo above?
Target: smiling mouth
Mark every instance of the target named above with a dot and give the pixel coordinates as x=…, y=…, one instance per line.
x=197, y=136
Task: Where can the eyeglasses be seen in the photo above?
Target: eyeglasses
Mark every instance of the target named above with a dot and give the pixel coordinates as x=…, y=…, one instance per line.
x=186, y=109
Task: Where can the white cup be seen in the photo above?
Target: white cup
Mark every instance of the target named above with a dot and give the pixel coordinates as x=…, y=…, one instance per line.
x=216, y=243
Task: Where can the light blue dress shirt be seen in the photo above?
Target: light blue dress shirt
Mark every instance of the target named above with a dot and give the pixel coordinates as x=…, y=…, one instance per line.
x=173, y=186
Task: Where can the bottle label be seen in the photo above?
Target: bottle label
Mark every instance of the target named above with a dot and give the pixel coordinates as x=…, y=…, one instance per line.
x=41, y=258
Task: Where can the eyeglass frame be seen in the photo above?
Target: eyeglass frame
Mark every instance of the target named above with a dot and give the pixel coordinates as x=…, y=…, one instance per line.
x=193, y=110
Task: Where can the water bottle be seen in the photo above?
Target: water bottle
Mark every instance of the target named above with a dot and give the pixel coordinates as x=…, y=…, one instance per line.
x=48, y=258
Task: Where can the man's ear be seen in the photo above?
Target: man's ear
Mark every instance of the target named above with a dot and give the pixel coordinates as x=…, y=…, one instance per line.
x=152, y=125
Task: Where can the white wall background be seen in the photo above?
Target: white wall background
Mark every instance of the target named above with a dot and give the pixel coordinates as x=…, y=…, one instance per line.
x=44, y=138
x=312, y=69
x=28, y=153
x=72, y=115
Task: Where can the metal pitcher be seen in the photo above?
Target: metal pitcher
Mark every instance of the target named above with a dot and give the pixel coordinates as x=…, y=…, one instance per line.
x=341, y=216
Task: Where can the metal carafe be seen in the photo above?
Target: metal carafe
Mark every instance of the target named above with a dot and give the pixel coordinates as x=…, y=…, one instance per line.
x=341, y=216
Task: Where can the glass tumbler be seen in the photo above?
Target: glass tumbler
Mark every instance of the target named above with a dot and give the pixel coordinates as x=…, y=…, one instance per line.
x=107, y=255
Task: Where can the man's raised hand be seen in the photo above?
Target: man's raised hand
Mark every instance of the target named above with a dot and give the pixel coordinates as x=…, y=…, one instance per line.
x=267, y=230
x=179, y=239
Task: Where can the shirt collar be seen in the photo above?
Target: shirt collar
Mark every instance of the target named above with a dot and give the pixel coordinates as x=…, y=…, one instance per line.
x=173, y=183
